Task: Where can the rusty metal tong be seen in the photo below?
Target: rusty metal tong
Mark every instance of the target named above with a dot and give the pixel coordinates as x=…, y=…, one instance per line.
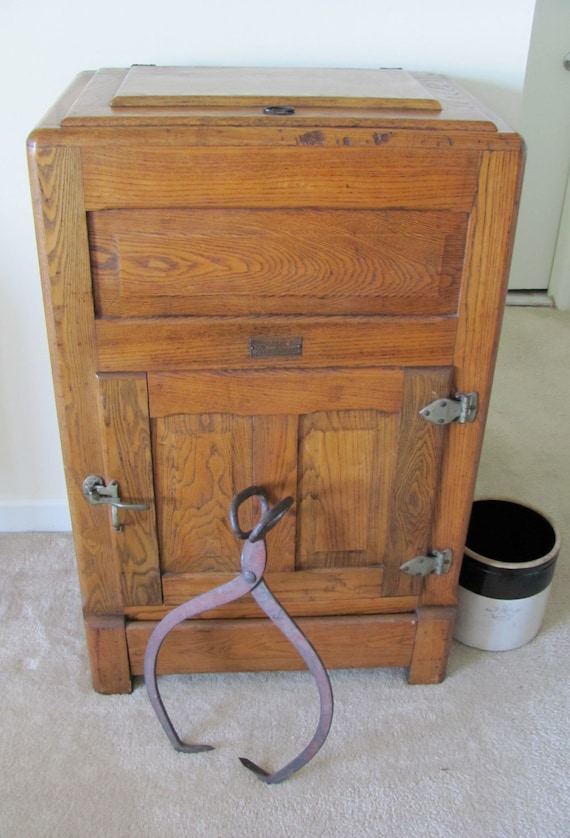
x=250, y=580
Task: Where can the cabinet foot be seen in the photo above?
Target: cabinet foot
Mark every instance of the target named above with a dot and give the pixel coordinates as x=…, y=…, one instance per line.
x=431, y=646
x=108, y=655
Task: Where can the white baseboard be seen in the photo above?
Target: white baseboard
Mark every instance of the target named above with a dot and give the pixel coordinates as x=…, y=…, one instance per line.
x=34, y=516
x=537, y=299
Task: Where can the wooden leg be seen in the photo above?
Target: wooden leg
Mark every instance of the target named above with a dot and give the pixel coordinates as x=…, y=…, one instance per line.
x=109, y=659
x=431, y=647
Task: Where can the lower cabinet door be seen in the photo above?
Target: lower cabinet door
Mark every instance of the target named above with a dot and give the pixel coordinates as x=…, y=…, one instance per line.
x=348, y=444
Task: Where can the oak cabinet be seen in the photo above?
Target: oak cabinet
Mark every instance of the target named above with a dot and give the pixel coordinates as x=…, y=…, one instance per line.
x=263, y=277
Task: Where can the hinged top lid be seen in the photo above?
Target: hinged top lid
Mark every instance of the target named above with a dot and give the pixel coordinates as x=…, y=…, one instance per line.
x=147, y=86
x=145, y=95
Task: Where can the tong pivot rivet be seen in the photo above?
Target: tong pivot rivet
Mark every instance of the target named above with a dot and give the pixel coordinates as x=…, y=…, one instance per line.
x=249, y=576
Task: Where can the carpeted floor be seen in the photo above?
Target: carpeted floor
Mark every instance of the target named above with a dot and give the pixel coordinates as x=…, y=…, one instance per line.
x=483, y=755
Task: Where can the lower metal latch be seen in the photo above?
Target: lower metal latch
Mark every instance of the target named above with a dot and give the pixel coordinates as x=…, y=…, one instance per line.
x=438, y=562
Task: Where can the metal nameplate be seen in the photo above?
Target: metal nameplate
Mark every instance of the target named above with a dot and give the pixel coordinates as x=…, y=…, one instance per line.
x=275, y=347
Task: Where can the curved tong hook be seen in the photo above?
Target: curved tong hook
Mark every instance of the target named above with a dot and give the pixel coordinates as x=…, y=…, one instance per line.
x=250, y=580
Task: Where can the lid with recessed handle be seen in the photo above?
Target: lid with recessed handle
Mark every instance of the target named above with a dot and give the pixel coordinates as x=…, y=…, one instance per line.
x=147, y=86
x=147, y=95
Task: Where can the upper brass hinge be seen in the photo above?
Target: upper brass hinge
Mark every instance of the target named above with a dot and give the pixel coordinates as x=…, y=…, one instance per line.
x=462, y=408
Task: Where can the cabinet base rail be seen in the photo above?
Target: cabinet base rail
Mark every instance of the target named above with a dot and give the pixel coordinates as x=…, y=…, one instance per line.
x=418, y=641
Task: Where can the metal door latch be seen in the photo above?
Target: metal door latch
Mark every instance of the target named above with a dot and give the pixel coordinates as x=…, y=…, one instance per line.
x=438, y=562
x=461, y=409
x=96, y=492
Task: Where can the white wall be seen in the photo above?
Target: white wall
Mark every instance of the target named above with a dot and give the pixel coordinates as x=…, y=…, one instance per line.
x=44, y=45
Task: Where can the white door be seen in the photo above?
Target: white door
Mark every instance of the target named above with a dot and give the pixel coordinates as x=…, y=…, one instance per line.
x=545, y=126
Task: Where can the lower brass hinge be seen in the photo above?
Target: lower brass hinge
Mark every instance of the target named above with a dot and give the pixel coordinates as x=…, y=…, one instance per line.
x=438, y=562
x=461, y=409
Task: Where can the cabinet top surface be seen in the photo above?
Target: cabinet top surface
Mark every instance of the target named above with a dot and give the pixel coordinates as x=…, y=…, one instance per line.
x=146, y=96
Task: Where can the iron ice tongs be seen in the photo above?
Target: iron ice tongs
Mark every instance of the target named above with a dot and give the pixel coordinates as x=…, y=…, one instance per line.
x=250, y=580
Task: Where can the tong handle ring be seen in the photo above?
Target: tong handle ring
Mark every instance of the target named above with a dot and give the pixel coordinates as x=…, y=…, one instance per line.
x=269, y=516
x=237, y=500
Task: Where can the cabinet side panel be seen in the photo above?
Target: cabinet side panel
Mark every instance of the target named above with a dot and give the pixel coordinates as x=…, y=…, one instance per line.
x=66, y=281
x=488, y=257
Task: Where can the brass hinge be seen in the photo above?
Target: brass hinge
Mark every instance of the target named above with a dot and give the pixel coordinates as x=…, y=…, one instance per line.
x=438, y=562
x=462, y=408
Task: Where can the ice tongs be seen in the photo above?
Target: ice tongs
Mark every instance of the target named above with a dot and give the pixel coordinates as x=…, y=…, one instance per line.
x=250, y=580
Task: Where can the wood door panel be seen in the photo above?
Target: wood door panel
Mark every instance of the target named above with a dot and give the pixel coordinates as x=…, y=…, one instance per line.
x=233, y=450
x=364, y=480
x=219, y=262
x=200, y=462
x=345, y=465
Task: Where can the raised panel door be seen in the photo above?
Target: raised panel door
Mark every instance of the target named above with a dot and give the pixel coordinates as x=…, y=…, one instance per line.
x=349, y=445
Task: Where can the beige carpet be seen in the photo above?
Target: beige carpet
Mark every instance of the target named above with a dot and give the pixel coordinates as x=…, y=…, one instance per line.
x=486, y=753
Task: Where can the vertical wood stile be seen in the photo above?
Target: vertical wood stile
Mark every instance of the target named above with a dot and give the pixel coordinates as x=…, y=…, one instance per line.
x=418, y=451
x=480, y=317
x=128, y=459
x=66, y=281
x=275, y=470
